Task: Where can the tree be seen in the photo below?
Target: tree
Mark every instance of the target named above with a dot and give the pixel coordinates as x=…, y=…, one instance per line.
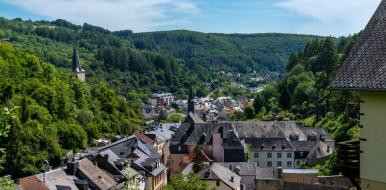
x=175, y=117
x=187, y=182
x=198, y=163
x=6, y=117
x=249, y=112
x=163, y=116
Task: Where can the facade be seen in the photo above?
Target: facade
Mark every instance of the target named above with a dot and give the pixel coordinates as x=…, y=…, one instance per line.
x=364, y=70
x=161, y=99
x=76, y=68
x=271, y=152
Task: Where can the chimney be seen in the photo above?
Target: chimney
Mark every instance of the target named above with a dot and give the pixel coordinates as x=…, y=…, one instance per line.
x=232, y=179
x=72, y=167
x=328, y=149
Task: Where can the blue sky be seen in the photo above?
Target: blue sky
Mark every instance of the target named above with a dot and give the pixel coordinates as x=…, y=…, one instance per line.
x=321, y=17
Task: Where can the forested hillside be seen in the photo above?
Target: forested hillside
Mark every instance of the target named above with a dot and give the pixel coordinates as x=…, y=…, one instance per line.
x=52, y=111
x=229, y=52
x=150, y=62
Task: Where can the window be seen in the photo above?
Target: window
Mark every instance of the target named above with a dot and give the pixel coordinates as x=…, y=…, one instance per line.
x=289, y=164
x=298, y=163
x=279, y=155
x=289, y=155
x=269, y=164
x=269, y=155
x=218, y=183
x=256, y=154
x=257, y=164
x=279, y=164
x=179, y=148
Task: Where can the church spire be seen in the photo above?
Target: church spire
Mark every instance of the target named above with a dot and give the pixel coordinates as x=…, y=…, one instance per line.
x=76, y=68
x=75, y=61
x=190, y=101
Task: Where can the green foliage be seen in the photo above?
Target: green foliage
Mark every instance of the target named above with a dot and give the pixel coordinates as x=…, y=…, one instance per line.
x=249, y=112
x=6, y=184
x=198, y=163
x=187, y=182
x=309, y=72
x=150, y=62
x=340, y=127
x=55, y=112
x=175, y=118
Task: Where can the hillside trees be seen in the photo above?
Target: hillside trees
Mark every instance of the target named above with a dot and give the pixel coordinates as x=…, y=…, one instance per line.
x=55, y=112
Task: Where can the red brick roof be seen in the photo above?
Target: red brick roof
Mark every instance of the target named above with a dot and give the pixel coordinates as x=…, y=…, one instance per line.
x=31, y=183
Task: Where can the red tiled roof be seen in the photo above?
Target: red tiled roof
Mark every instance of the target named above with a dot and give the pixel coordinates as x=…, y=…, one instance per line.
x=143, y=138
x=31, y=183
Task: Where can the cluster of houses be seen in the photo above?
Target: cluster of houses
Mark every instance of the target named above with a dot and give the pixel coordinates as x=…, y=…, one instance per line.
x=237, y=155
x=207, y=108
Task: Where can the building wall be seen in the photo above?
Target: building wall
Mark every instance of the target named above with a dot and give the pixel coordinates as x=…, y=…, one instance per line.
x=263, y=158
x=269, y=184
x=300, y=178
x=372, y=164
x=222, y=185
x=156, y=183
x=81, y=76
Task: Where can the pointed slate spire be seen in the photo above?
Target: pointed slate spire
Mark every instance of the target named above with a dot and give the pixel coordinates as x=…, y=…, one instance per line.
x=76, y=68
x=190, y=101
x=75, y=61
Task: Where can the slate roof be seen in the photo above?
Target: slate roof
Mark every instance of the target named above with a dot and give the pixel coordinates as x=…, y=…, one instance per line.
x=31, y=183
x=245, y=168
x=216, y=171
x=58, y=177
x=365, y=66
x=96, y=175
x=269, y=144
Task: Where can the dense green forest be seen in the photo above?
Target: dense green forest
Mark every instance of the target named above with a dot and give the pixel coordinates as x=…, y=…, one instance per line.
x=259, y=52
x=151, y=62
x=52, y=111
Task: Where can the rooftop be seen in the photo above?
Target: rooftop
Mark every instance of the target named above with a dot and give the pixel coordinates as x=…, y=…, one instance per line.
x=365, y=66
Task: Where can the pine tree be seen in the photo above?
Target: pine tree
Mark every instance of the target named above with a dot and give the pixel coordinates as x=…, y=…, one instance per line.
x=198, y=163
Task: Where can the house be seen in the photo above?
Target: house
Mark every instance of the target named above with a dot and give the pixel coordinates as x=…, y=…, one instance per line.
x=220, y=177
x=364, y=70
x=76, y=68
x=161, y=99
x=271, y=152
x=248, y=171
x=141, y=157
x=79, y=175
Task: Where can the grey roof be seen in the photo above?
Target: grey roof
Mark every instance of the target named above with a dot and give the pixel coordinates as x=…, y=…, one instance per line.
x=365, y=66
x=244, y=168
x=269, y=144
x=216, y=171
x=96, y=175
x=302, y=146
x=58, y=177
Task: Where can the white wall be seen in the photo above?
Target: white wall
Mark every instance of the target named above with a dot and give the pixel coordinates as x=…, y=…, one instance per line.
x=263, y=158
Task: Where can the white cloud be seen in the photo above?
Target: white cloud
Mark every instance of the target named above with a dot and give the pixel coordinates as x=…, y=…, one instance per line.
x=138, y=15
x=336, y=17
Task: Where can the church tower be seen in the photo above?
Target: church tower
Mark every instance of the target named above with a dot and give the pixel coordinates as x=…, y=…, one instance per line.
x=190, y=101
x=76, y=68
